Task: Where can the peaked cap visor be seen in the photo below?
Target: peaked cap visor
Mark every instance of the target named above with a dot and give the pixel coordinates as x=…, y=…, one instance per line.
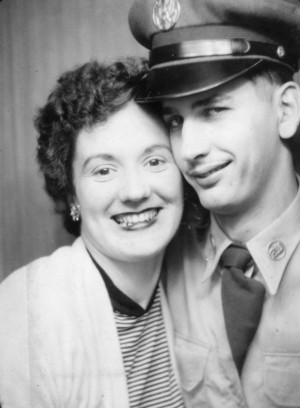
x=187, y=79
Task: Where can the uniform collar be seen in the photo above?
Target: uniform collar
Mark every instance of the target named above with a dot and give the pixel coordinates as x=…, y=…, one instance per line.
x=271, y=249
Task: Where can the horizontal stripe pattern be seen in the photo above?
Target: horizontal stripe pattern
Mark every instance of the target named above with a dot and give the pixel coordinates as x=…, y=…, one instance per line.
x=150, y=376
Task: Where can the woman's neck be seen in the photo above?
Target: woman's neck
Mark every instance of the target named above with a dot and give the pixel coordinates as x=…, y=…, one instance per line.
x=137, y=279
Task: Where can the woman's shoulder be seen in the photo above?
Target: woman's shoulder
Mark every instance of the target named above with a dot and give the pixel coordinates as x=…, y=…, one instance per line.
x=49, y=284
x=46, y=268
x=62, y=258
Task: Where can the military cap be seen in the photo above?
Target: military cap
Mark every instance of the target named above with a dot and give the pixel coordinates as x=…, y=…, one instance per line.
x=196, y=45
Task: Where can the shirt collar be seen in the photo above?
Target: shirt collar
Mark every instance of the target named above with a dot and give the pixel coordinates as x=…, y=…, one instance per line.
x=271, y=249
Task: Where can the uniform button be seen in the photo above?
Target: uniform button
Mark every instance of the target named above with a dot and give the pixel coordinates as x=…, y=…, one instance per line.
x=276, y=250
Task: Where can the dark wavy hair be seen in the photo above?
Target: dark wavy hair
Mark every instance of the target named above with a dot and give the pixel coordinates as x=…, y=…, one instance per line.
x=83, y=97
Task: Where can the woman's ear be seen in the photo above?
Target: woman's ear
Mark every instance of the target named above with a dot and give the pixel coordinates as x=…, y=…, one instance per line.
x=289, y=109
x=71, y=199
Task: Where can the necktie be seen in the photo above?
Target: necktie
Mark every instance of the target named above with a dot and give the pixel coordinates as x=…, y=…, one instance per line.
x=242, y=300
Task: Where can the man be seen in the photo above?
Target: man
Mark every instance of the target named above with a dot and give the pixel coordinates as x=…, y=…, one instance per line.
x=223, y=71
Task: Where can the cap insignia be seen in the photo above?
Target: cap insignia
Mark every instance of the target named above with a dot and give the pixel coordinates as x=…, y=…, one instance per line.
x=166, y=14
x=280, y=51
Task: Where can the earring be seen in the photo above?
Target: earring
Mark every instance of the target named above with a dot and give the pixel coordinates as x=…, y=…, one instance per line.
x=75, y=212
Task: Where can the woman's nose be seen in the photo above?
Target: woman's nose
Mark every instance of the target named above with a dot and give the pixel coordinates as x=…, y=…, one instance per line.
x=135, y=187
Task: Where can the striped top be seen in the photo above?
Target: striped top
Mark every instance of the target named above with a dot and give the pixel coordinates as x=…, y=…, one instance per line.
x=150, y=376
x=149, y=372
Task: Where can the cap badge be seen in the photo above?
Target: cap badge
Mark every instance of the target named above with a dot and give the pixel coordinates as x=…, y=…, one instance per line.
x=280, y=51
x=166, y=14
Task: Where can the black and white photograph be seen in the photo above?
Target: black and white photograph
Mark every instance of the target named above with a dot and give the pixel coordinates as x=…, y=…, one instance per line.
x=149, y=204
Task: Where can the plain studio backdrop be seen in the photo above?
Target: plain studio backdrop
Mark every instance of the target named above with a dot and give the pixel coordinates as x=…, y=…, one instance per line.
x=39, y=40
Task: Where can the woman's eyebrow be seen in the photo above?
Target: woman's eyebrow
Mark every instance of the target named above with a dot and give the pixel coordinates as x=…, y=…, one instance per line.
x=110, y=157
x=156, y=147
x=103, y=156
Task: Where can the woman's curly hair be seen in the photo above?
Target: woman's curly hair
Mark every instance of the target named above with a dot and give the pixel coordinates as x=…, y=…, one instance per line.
x=87, y=95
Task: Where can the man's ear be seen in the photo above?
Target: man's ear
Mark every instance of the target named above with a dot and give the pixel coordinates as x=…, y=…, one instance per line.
x=289, y=109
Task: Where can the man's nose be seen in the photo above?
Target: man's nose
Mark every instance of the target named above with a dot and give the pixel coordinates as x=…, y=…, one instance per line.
x=195, y=139
x=134, y=186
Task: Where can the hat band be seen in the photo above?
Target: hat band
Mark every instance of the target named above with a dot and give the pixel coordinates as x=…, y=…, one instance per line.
x=219, y=48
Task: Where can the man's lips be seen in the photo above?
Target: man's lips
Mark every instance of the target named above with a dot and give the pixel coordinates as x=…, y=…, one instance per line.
x=207, y=170
x=131, y=219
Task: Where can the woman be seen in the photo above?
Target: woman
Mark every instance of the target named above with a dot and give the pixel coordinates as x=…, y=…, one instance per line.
x=88, y=326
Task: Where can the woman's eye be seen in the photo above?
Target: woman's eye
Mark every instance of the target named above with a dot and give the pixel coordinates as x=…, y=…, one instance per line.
x=103, y=173
x=156, y=164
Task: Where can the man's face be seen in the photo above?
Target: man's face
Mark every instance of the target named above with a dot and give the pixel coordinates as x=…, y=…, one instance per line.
x=227, y=145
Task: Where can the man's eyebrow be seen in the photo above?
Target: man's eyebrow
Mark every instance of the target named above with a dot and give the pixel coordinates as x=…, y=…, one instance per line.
x=168, y=110
x=216, y=98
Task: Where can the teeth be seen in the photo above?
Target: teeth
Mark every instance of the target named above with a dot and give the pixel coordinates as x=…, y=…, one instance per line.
x=132, y=219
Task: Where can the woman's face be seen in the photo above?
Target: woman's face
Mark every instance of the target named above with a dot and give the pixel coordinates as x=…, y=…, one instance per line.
x=128, y=186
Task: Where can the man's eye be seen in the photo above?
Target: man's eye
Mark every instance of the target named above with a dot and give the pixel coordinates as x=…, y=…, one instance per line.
x=213, y=111
x=175, y=122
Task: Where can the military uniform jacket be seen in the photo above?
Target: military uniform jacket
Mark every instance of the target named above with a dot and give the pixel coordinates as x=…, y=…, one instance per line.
x=271, y=373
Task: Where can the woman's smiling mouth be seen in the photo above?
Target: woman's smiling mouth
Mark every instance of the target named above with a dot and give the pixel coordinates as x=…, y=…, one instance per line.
x=132, y=220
